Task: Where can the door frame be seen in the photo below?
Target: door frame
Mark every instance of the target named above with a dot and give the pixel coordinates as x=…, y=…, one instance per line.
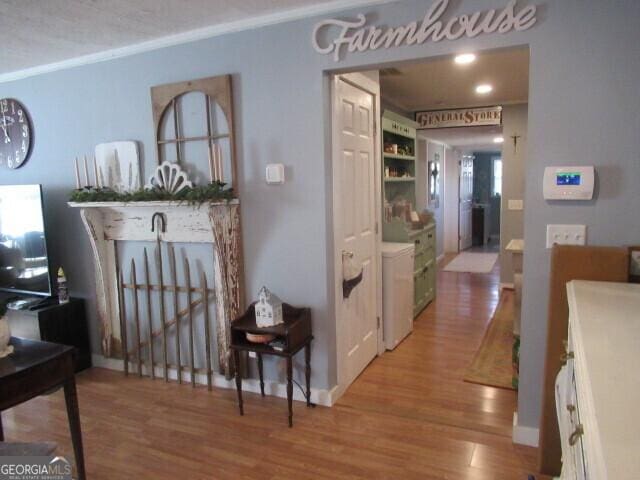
x=371, y=87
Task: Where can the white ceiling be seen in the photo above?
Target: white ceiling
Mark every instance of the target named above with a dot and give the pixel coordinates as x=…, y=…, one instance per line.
x=440, y=83
x=467, y=140
x=44, y=32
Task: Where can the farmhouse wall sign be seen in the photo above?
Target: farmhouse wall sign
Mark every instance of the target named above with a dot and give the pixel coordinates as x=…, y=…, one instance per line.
x=460, y=117
x=356, y=37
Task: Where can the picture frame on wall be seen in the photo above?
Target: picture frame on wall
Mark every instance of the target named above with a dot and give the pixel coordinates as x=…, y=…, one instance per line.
x=434, y=170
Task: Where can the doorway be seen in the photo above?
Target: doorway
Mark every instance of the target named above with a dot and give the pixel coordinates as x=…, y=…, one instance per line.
x=435, y=180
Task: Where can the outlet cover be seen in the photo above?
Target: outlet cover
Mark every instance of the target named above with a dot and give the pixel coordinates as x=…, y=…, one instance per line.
x=566, y=235
x=515, y=204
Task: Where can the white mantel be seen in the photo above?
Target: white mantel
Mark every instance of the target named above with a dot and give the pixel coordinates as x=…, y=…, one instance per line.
x=217, y=223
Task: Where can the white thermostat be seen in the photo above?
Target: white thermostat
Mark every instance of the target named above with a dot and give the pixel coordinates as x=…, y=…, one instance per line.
x=568, y=183
x=275, y=174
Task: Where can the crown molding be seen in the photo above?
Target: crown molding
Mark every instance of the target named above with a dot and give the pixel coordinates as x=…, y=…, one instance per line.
x=192, y=36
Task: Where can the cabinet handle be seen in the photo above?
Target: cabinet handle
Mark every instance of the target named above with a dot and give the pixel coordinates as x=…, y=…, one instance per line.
x=571, y=408
x=431, y=235
x=577, y=433
x=417, y=242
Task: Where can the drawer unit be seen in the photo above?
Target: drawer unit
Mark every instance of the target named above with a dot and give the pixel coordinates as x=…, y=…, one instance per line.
x=598, y=388
x=424, y=262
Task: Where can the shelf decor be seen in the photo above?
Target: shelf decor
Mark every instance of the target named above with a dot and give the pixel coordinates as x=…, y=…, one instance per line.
x=197, y=195
x=268, y=309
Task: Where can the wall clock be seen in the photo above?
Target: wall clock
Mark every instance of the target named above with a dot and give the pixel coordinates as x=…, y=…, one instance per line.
x=16, y=133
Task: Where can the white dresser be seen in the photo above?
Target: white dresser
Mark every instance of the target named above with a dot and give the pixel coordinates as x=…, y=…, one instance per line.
x=598, y=390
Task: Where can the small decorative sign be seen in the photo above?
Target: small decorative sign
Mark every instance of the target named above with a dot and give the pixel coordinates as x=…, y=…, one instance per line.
x=460, y=117
x=333, y=35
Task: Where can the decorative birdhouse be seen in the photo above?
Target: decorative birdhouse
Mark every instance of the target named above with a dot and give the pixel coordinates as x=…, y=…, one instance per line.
x=268, y=309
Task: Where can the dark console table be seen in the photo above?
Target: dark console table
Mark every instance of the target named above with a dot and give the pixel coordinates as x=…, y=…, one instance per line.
x=35, y=368
x=294, y=333
x=64, y=323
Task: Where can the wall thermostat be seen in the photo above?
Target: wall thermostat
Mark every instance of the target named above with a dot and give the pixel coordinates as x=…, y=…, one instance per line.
x=275, y=174
x=568, y=183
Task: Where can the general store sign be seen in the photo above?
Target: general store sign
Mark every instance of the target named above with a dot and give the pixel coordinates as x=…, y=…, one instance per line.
x=460, y=117
x=334, y=36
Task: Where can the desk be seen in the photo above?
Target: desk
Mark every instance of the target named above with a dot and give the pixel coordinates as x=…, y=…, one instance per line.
x=34, y=368
x=295, y=332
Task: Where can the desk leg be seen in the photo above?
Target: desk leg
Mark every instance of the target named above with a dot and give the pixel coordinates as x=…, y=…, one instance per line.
x=307, y=371
x=236, y=356
x=290, y=389
x=71, y=399
x=1, y=431
x=260, y=373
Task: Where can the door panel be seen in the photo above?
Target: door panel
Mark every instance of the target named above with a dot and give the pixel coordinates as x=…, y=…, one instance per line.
x=466, y=201
x=354, y=205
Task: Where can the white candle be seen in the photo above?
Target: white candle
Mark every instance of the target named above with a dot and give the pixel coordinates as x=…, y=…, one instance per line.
x=210, y=165
x=219, y=159
x=77, y=174
x=95, y=172
x=86, y=172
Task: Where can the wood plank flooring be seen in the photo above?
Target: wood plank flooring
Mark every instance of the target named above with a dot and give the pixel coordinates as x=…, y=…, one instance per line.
x=408, y=416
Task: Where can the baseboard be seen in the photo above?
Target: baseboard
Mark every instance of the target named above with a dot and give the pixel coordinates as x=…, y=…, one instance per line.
x=318, y=396
x=524, y=435
x=507, y=286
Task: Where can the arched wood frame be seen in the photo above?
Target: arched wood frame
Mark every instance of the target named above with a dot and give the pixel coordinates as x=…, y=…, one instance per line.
x=217, y=89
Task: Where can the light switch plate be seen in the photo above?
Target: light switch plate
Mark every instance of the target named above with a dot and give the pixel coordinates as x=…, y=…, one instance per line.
x=275, y=174
x=566, y=235
x=515, y=204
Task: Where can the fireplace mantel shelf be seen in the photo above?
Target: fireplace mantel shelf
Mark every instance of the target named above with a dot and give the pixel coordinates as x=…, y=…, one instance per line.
x=216, y=223
x=156, y=203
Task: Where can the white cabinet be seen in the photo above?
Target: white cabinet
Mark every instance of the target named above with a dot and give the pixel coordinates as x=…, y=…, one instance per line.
x=397, y=292
x=598, y=390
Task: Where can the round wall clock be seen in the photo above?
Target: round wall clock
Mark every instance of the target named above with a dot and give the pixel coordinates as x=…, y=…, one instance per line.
x=16, y=133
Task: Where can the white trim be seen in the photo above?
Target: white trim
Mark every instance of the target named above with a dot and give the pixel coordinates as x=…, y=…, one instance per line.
x=318, y=396
x=192, y=36
x=439, y=258
x=524, y=435
x=507, y=286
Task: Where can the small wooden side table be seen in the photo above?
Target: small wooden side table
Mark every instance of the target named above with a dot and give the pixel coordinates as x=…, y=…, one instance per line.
x=294, y=333
x=37, y=367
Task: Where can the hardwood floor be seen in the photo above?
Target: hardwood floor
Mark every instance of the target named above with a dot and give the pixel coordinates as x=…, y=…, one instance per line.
x=409, y=416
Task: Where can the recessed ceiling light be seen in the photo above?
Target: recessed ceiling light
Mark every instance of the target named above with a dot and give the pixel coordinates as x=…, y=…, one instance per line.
x=483, y=89
x=464, y=58
x=498, y=139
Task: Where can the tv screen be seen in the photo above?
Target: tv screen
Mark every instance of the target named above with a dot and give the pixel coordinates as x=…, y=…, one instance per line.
x=24, y=264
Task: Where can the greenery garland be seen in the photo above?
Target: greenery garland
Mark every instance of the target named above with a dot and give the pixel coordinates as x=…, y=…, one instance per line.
x=212, y=192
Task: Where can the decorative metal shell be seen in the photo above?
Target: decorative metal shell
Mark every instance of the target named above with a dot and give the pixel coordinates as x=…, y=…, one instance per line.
x=169, y=177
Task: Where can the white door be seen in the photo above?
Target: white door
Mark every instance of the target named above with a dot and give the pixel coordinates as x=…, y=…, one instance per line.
x=466, y=201
x=354, y=191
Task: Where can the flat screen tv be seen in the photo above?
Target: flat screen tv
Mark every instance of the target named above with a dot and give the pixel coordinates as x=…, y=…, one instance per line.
x=24, y=263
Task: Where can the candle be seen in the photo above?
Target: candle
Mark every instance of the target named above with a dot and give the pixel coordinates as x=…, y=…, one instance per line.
x=95, y=172
x=77, y=174
x=210, y=165
x=219, y=160
x=86, y=172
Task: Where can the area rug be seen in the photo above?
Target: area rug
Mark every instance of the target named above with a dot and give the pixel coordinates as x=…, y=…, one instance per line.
x=472, y=262
x=493, y=362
